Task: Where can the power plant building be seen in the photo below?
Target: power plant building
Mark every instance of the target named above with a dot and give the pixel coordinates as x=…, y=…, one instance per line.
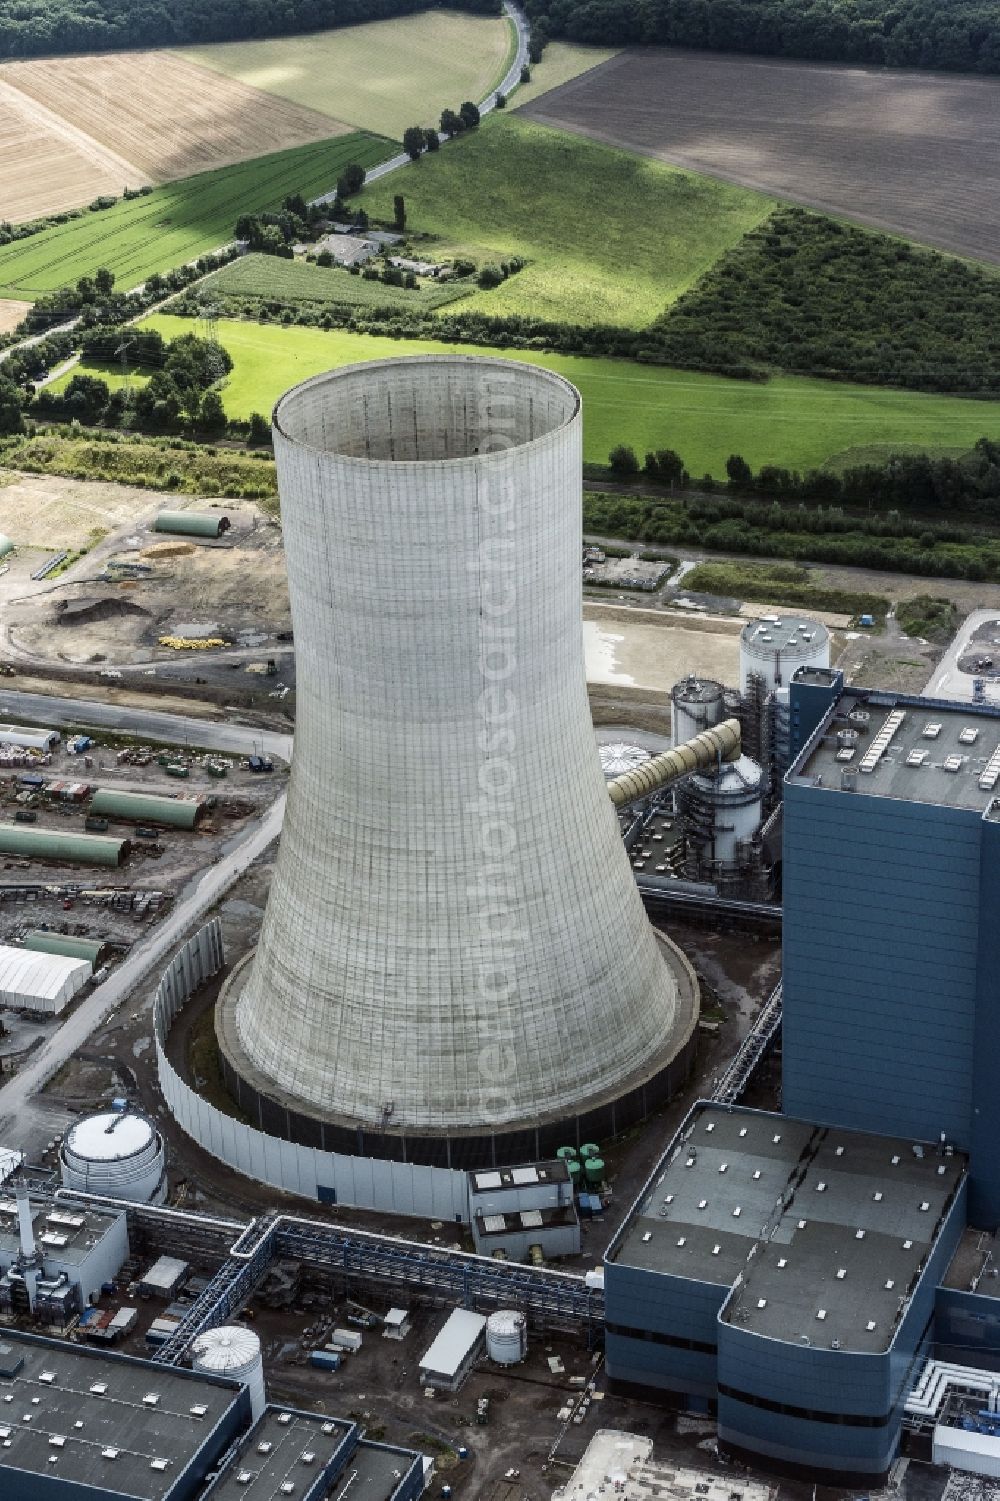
x=785, y=1274
x=891, y=940
x=425, y=987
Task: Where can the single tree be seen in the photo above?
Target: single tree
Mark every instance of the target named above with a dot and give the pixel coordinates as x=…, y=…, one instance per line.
x=432, y=139
x=413, y=141
x=739, y=473
x=11, y=407
x=351, y=180
x=104, y=281
x=260, y=430
x=399, y=211
x=211, y=413
x=622, y=460
x=469, y=114
x=525, y=74
x=500, y=102
x=451, y=124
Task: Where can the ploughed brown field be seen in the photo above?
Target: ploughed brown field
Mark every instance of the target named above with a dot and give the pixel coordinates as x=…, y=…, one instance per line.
x=72, y=128
x=917, y=154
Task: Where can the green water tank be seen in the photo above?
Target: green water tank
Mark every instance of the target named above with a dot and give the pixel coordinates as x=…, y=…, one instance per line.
x=575, y=1169
x=594, y=1168
x=590, y=1149
x=566, y=1154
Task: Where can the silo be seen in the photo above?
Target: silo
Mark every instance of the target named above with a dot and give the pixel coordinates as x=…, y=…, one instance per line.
x=232, y=1351
x=454, y=965
x=696, y=704
x=117, y=1153
x=507, y=1336
x=776, y=645
x=722, y=812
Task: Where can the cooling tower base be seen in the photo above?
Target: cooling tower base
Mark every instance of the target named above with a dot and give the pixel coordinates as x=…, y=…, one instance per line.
x=279, y=1114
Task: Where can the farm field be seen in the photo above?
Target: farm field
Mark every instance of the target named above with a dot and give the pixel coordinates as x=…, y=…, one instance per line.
x=265, y=277
x=791, y=421
x=175, y=224
x=11, y=313
x=917, y=154
x=561, y=62
x=46, y=165
x=516, y=188
x=382, y=76
x=160, y=113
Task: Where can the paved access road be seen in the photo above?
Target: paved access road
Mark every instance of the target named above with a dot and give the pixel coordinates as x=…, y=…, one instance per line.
x=18, y=1114
x=948, y=680
x=175, y=729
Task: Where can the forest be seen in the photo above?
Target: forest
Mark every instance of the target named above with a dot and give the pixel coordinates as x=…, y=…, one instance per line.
x=959, y=35
x=35, y=28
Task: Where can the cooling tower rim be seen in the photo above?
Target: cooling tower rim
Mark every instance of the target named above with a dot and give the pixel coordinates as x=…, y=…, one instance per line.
x=522, y=368
x=681, y=1037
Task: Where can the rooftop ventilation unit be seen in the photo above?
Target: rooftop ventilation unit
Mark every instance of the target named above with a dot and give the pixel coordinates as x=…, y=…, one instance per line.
x=991, y=772
x=931, y=730
x=917, y=757
x=952, y=763
x=968, y=736
x=880, y=744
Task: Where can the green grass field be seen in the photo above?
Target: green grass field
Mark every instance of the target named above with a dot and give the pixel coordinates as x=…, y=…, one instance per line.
x=561, y=62
x=790, y=420
x=382, y=76
x=177, y=223
x=264, y=277
x=610, y=237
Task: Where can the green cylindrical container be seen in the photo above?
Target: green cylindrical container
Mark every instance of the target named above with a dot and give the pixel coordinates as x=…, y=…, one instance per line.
x=575, y=1169
x=590, y=1149
x=594, y=1168
x=566, y=1153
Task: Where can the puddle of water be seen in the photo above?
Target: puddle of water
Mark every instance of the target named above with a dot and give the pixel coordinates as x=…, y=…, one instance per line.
x=600, y=649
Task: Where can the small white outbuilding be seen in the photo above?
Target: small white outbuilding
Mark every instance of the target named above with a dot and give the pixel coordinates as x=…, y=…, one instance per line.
x=30, y=981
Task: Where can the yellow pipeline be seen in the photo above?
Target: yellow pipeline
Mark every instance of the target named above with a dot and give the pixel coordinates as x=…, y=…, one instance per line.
x=702, y=753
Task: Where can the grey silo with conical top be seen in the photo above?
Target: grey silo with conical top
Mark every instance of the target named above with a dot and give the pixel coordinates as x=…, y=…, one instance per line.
x=453, y=945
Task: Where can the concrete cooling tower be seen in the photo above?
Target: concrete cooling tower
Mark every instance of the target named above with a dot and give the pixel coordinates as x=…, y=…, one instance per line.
x=455, y=966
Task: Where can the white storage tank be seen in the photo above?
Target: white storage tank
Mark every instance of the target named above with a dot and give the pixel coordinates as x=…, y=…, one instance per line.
x=776, y=645
x=506, y=1336
x=234, y=1352
x=117, y=1153
x=724, y=810
x=696, y=704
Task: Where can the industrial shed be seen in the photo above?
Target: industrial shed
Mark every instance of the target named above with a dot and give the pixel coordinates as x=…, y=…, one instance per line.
x=31, y=737
x=143, y=807
x=192, y=523
x=70, y=849
x=40, y=982
x=89, y=949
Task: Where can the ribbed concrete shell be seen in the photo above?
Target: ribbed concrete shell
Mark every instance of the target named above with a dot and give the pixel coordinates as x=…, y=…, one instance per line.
x=430, y=958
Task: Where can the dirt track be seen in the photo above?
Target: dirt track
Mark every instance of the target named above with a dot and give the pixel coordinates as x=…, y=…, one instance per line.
x=914, y=153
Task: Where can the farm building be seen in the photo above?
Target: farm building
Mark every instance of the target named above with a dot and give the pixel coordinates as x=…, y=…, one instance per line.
x=70, y=849
x=419, y=268
x=348, y=250
x=143, y=807
x=192, y=523
x=89, y=949
x=40, y=982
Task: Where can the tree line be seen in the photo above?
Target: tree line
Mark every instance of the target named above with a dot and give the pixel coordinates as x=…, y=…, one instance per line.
x=33, y=28
x=960, y=35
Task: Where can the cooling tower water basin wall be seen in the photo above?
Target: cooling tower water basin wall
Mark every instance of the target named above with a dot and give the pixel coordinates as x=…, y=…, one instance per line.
x=431, y=964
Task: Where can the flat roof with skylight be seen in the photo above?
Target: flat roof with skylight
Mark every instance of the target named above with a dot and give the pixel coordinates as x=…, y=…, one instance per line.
x=286, y=1453
x=65, y=1231
x=840, y=1223
x=917, y=749
x=118, y=1425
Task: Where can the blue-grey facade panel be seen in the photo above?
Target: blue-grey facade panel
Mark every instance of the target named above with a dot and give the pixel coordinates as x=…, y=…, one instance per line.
x=665, y=1368
x=808, y=703
x=656, y=1302
x=881, y=919
x=984, y=1187
x=967, y=1328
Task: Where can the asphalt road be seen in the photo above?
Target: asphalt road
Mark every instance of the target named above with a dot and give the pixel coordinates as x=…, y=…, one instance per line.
x=948, y=680
x=19, y=1116
x=174, y=729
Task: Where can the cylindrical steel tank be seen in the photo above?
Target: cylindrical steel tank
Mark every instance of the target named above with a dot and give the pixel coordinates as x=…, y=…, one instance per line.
x=724, y=810
x=618, y=758
x=776, y=645
x=507, y=1336
x=696, y=704
x=232, y=1351
x=421, y=970
x=117, y=1153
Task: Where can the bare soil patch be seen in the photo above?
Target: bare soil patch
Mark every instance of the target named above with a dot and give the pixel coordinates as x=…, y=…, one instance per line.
x=917, y=154
x=47, y=164
x=48, y=511
x=163, y=114
x=11, y=313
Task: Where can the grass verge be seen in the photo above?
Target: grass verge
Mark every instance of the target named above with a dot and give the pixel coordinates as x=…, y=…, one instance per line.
x=784, y=584
x=929, y=617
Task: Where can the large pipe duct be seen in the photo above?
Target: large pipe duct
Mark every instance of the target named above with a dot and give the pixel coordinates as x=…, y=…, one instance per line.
x=454, y=946
x=701, y=753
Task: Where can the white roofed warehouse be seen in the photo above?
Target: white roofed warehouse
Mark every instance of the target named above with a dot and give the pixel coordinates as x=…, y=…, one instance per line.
x=45, y=983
